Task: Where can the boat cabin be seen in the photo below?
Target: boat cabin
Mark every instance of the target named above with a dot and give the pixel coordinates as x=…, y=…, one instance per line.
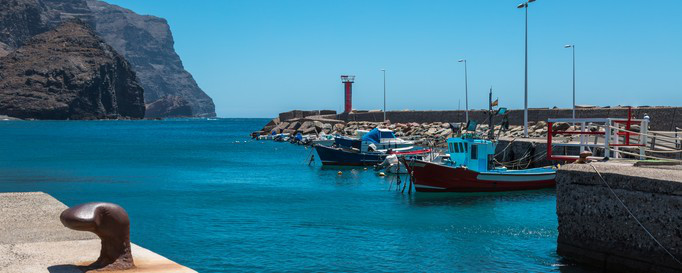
x=475, y=154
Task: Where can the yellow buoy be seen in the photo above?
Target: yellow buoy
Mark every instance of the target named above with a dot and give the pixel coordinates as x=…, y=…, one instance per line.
x=382, y=174
x=340, y=173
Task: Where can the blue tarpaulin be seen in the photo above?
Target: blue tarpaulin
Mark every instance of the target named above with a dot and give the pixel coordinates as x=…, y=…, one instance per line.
x=372, y=136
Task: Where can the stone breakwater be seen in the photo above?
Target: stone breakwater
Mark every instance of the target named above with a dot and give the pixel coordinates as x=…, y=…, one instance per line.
x=424, y=134
x=594, y=228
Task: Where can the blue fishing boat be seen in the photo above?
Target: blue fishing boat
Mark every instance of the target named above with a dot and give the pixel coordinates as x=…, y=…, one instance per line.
x=347, y=156
x=471, y=168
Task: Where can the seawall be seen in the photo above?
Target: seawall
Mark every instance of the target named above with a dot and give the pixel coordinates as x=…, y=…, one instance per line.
x=595, y=229
x=662, y=118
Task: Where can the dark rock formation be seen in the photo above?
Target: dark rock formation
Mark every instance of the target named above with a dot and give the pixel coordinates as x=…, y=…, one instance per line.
x=147, y=43
x=169, y=106
x=68, y=73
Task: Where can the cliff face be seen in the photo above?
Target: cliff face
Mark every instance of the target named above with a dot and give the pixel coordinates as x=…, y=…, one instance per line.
x=22, y=19
x=68, y=73
x=19, y=21
x=147, y=43
x=170, y=106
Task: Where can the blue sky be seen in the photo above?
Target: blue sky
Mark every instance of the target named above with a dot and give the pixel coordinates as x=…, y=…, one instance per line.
x=257, y=58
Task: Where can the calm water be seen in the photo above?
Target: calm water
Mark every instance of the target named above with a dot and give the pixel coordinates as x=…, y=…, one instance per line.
x=203, y=194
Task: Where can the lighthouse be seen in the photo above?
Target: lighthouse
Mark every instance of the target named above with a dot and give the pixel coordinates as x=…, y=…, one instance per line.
x=348, y=91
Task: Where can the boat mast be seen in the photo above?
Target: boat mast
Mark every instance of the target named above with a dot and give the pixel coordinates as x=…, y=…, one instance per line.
x=490, y=114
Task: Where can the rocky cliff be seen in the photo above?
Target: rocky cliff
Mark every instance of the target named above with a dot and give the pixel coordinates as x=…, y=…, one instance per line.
x=19, y=21
x=170, y=106
x=69, y=73
x=22, y=19
x=145, y=41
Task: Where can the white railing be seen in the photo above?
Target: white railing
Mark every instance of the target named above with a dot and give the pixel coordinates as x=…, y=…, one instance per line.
x=617, y=133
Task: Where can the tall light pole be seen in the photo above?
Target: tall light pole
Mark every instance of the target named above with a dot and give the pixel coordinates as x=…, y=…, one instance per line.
x=573, y=47
x=466, y=89
x=384, y=70
x=525, y=97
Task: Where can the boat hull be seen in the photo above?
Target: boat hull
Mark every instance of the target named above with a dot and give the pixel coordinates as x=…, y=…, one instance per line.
x=342, y=157
x=432, y=177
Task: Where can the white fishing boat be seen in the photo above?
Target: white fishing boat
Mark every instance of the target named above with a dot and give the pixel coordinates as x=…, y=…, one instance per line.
x=324, y=140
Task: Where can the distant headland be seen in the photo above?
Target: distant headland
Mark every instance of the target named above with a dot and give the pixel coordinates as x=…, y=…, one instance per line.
x=132, y=46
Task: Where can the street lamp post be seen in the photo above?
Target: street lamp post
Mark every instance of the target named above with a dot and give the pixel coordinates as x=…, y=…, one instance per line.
x=466, y=89
x=573, y=47
x=525, y=97
x=384, y=70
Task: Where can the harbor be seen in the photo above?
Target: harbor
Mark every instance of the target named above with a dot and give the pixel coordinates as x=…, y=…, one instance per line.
x=614, y=173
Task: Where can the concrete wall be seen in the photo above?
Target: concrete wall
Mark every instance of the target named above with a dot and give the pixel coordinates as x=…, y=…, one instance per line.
x=595, y=229
x=302, y=114
x=662, y=118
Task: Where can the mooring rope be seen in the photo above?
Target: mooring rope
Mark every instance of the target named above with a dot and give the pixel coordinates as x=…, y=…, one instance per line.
x=505, y=148
x=633, y=216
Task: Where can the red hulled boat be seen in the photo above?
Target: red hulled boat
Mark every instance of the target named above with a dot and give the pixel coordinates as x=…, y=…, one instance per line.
x=470, y=168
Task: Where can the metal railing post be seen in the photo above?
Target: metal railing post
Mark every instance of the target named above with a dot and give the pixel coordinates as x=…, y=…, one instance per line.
x=582, y=137
x=678, y=143
x=549, y=140
x=607, y=138
x=643, y=132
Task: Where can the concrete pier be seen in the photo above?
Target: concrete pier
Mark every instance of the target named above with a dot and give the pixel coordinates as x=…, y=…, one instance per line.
x=595, y=229
x=32, y=239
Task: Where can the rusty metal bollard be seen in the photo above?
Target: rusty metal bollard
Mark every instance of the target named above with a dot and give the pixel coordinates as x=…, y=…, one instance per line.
x=111, y=224
x=583, y=157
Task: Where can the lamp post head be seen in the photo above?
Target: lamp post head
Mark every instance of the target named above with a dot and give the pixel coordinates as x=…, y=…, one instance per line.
x=384, y=70
x=462, y=61
x=568, y=46
x=525, y=5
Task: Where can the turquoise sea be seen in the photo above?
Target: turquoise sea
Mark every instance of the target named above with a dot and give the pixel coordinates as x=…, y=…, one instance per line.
x=202, y=193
